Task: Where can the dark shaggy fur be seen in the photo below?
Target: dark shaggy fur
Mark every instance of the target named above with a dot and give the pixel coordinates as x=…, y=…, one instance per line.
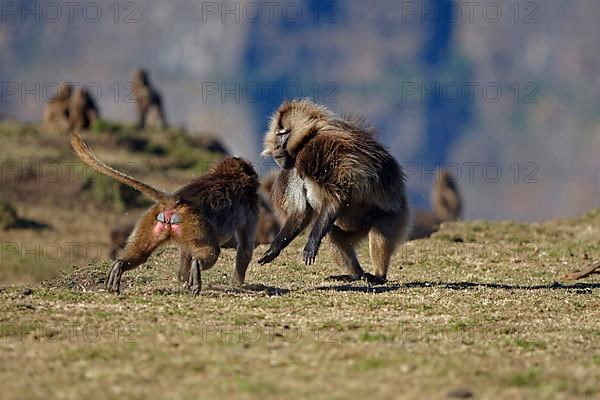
x=339, y=177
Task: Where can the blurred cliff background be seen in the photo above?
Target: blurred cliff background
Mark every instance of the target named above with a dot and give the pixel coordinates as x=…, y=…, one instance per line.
x=504, y=94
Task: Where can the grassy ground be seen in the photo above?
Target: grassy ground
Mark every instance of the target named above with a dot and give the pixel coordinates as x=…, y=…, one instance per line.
x=474, y=310
x=63, y=223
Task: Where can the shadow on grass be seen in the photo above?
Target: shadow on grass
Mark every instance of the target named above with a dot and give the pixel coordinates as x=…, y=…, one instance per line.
x=268, y=290
x=221, y=290
x=361, y=288
x=392, y=287
x=502, y=286
x=23, y=223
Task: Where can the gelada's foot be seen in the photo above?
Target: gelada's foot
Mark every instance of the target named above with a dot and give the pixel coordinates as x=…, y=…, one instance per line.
x=195, y=281
x=373, y=280
x=113, y=285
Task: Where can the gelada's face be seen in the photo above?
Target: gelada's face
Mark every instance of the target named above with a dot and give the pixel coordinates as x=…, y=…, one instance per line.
x=281, y=155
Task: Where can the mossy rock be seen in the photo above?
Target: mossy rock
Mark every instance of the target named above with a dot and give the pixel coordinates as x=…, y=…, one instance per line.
x=182, y=153
x=8, y=216
x=115, y=195
x=132, y=143
x=104, y=126
x=177, y=149
x=126, y=136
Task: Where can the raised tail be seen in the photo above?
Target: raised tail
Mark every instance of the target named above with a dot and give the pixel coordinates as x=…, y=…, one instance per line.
x=86, y=155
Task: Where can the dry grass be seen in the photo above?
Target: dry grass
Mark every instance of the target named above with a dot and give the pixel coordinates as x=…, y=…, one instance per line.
x=60, y=224
x=474, y=310
x=460, y=316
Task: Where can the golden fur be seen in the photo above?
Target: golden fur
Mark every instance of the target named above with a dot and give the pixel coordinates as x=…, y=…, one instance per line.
x=56, y=114
x=199, y=217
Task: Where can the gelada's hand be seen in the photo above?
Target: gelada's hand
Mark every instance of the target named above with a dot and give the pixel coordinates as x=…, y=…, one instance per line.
x=269, y=256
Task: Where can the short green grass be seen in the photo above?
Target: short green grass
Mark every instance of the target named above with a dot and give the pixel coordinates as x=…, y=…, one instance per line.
x=477, y=309
x=478, y=316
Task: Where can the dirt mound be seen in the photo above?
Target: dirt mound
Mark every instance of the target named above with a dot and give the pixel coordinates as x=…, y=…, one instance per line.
x=85, y=279
x=156, y=275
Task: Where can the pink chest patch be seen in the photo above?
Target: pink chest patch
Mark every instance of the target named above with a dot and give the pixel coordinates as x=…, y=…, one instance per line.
x=168, y=221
